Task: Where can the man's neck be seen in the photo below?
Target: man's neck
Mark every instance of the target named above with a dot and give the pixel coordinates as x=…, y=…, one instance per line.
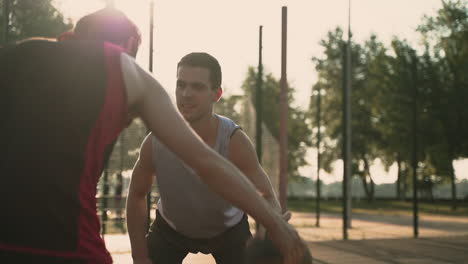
x=206, y=128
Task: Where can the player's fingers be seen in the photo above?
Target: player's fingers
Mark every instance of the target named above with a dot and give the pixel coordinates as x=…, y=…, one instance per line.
x=287, y=216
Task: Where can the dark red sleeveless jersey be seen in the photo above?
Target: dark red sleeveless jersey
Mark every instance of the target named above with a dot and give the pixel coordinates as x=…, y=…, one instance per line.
x=62, y=105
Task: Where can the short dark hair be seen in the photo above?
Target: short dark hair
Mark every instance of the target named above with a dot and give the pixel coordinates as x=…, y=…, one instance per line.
x=107, y=24
x=204, y=60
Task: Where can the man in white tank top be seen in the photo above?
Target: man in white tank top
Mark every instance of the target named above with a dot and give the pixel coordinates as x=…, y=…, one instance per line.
x=190, y=217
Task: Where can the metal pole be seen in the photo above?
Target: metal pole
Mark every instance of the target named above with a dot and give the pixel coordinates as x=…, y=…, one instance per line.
x=344, y=148
x=151, y=36
x=347, y=132
x=150, y=67
x=349, y=128
x=258, y=99
x=283, y=114
x=6, y=17
x=415, y=148
x=317, y=207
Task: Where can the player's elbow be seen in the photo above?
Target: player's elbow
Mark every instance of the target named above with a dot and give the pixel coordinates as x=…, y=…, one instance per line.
x=137, y=194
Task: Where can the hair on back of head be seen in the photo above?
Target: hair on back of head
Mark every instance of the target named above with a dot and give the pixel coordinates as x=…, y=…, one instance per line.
x=107, y=24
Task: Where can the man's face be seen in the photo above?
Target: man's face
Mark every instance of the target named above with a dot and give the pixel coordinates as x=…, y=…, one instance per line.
x=194, y=94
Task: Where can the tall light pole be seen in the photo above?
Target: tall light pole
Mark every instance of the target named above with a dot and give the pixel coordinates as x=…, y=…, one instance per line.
x=259, y=98
x=151, y=36
x=347, y=133
x=283, y=133
x=414, y=73
x=319, y=138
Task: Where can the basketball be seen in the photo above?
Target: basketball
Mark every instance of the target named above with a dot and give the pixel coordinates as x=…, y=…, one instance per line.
x=261, y=251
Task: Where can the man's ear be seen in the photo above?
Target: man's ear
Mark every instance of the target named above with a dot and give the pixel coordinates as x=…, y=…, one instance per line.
x=218, y=94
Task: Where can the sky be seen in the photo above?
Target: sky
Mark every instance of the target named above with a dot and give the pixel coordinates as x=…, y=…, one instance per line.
x=229, y=31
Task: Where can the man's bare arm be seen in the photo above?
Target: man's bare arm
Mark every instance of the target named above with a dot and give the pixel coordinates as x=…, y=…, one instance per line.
x=242, y=153
x=140, y=186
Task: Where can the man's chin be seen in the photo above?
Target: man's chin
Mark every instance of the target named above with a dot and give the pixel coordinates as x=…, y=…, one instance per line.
x=187, y=117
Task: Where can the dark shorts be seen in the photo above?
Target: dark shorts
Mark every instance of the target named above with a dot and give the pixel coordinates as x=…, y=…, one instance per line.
x=167, y=246
x=19, y=258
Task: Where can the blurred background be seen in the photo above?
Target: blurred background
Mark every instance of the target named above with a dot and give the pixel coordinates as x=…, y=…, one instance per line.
x=409, y=76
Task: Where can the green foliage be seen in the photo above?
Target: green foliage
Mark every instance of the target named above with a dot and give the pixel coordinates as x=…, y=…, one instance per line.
x=229, y=107
x=329, y=71
x=387, y=84
x=298, y=129
x=445, y=37
x=448, y=32
x=365, y=137
x=33, y=18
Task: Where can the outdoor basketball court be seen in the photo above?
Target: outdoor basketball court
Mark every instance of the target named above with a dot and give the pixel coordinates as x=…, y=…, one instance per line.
x=373, y=239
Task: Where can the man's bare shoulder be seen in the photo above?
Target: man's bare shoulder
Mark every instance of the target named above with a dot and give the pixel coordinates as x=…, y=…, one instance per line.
x=241, y=149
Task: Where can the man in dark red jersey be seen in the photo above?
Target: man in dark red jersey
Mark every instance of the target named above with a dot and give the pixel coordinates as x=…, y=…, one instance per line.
x=63, y=104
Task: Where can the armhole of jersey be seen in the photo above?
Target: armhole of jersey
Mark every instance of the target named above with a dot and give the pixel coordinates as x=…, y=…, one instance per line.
x=134, y=79
x=234, y=131
x=237, y=127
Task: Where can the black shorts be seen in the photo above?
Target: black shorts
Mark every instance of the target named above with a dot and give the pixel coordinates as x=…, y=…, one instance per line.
x=14, y=257
x=167, y=246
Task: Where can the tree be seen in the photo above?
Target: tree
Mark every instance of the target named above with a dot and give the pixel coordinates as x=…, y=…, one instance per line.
x=395, y=102
x=329, y=71
x=388, y=84
x=33, y=18
x=447, y=33
x=298, y=129
x=365, y=136
x=229, y=107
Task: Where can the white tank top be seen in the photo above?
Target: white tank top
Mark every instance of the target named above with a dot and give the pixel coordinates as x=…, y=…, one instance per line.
x=186, y=203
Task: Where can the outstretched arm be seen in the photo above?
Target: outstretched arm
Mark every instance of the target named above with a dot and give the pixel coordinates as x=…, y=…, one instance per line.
x=140, y=187
x=242, y=154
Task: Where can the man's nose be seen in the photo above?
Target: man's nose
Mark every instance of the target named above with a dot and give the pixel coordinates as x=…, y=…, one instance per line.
x=187, y=92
